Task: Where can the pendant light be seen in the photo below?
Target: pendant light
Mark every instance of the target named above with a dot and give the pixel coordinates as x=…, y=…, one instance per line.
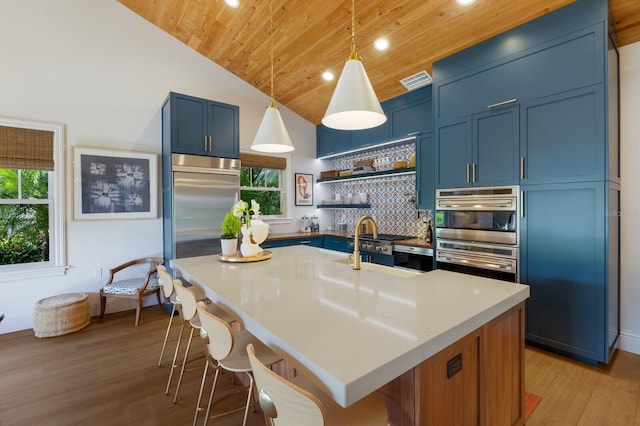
x=354, y=105
x=272, y=135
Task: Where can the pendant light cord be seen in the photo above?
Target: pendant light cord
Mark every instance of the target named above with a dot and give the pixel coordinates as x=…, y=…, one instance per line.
x=271, y=38
x=353, y=54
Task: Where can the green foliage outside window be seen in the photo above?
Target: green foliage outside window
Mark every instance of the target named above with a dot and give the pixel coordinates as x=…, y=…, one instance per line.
x=24, y=228
x=265, y=189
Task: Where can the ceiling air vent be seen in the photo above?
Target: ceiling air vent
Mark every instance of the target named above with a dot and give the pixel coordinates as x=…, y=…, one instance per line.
x=416, y=80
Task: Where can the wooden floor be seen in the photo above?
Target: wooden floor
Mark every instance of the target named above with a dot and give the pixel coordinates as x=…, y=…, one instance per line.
x=107, y=374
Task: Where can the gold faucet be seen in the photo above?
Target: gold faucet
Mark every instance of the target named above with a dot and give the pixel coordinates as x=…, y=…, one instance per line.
x=356, y=239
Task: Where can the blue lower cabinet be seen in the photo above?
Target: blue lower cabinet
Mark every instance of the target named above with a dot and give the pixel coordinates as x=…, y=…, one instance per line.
x=316, y=241
x=566, y=245
x=336, y=243
x=380, y=259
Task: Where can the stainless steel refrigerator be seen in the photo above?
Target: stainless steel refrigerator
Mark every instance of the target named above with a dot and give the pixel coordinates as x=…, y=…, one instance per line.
x=202, y=191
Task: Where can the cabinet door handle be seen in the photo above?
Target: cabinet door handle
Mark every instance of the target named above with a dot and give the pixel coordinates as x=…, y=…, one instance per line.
x=204, y=146
x=468, y=172
x=521, y=203
x=498, y=104
x=521, y=167
x=210, y=143
x=473, y=172
x=414, y=133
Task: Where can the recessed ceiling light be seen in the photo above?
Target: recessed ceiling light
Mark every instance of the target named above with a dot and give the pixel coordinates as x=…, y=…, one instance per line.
x=465, y=2
x=328, y=75
x=232, y=3
x=381, y=44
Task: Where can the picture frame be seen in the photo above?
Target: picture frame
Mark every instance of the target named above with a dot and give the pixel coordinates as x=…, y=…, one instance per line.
x=303, y=189
x=111, y=184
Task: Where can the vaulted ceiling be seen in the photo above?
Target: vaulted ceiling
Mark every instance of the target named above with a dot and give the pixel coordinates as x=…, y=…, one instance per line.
x=313, y=36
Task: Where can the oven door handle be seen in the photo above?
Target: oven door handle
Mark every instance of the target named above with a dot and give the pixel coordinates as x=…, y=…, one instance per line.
x=478, y=262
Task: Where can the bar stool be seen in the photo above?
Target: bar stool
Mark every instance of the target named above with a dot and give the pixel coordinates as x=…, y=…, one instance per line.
x=189, y=315
x=166, y=288
x=299, y=402
x=168, y=292
x=226, y=350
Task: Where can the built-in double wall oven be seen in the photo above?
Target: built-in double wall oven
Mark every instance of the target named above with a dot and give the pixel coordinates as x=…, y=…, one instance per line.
x=478, y=231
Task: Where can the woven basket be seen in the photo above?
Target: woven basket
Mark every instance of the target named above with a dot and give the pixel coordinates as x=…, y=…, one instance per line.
x=62, y=314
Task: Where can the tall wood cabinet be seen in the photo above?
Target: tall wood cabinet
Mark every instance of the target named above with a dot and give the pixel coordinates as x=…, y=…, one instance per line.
x=544, y=115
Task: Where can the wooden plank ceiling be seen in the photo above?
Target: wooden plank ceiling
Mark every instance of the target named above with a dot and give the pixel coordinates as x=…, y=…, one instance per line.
x=313, y=36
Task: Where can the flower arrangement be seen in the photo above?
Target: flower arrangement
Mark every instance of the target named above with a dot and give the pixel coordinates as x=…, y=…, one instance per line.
x=230, y=226
x=242, y=210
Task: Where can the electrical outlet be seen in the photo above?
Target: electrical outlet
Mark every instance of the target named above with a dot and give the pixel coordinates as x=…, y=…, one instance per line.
x=97, y=273
x=383, y=161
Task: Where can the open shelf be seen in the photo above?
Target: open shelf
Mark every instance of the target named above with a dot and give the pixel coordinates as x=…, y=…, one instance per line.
x=372, y=175
x=344, y=206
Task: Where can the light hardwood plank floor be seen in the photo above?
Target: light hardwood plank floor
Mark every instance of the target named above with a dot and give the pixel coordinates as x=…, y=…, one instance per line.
x=107, y=374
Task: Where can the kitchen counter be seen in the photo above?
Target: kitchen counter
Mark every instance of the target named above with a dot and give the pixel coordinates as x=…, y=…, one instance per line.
x=413, y=242
x=355, y=331
x=292, y=235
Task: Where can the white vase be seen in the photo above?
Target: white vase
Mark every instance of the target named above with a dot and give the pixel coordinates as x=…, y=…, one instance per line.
x=253, y=236
x=229, y=247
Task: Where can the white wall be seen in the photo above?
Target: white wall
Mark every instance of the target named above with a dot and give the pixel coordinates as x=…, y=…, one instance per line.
x=103, y=72
x=630, y=196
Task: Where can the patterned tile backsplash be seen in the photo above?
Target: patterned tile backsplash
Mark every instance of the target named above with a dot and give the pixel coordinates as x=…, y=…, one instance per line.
x=391, y=197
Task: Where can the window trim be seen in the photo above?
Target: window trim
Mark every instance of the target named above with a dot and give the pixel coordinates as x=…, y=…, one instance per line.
x=58, y=265
x=285, y=174
x=282, y=189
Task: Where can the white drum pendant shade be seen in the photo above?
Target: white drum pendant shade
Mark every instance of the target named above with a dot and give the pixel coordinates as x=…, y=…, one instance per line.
x=272, y=136
x=354, y=105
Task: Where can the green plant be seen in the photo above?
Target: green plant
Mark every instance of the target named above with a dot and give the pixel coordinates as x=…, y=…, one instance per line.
x=230, y=226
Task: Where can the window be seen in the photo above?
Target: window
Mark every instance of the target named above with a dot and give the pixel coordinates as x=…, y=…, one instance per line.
x=32, y=240
x=261, y=179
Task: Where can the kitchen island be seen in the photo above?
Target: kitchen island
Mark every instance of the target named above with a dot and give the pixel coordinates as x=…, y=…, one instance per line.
x=440, y=346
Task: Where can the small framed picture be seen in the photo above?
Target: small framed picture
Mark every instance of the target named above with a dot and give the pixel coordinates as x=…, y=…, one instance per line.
x=114, y=185
x=304, y=189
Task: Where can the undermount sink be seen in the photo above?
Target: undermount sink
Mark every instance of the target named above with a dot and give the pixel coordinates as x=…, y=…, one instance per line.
x=397, y=272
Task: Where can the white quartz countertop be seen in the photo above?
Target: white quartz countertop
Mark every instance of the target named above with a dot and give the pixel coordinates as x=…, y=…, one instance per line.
x=354, y=331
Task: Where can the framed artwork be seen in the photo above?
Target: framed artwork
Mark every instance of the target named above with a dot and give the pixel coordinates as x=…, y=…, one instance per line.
x=304, y=189
x=114, y=185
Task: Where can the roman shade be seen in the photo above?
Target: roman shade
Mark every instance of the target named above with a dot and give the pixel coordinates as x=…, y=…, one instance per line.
x=26, y=148
x=263, y=161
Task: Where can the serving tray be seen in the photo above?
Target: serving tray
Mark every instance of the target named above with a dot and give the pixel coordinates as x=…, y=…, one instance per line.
x=238, y=258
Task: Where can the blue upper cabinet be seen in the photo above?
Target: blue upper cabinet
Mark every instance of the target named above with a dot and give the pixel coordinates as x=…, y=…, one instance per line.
x=573, y=61
x=425, y=172
x=563, y=137
x=370, y=137
x=202, y=127
x=408, y=115
x=495, y=147
x=453, y=156
x=481, y=150
x=331, y=141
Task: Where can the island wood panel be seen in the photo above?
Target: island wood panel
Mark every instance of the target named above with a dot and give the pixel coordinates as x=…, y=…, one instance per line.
x=488, y=390
x=502, y=371
x=450, y=399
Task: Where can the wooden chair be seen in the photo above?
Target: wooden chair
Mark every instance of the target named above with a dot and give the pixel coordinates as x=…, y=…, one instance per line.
x=136, y=288
x=226, y=350
x=301, y=403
